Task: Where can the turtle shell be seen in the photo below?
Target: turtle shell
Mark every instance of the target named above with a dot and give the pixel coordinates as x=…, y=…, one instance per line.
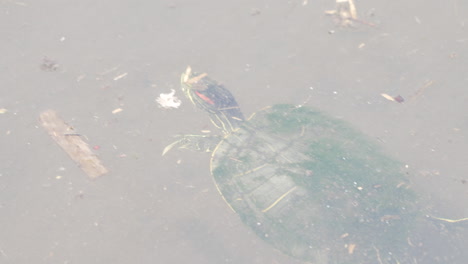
x=315, y=188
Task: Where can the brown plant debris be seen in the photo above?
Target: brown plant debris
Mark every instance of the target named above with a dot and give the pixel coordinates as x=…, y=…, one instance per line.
x=72, y=144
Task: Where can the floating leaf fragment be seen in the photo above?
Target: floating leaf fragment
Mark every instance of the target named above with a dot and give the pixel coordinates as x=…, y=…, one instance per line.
x=117, y=110
x=388, y=97
x=398, y=98
x=120, y=76
x=168, y=100
x=351, y=248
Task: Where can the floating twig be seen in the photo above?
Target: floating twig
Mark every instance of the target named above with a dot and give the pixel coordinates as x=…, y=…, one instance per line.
x=421, y=89
x=72, y=144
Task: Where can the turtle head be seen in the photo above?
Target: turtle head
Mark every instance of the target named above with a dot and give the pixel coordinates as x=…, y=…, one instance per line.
x=192, y=85
x=212, y=97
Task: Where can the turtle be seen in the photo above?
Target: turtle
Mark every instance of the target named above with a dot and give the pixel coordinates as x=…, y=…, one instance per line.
x=309, y=184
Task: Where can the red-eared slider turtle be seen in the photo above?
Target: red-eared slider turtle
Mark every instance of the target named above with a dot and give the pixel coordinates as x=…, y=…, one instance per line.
x=307, y=183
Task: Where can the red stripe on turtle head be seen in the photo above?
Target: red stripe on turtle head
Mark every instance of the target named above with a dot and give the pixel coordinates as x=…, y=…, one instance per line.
x=205, y=98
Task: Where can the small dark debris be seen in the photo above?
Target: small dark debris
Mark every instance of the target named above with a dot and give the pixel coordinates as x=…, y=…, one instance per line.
x=399, y=99
x=255, y=12
x=49, y=65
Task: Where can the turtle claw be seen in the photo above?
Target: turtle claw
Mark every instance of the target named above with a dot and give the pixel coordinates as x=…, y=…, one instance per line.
x=205, y=143
x=170, y=146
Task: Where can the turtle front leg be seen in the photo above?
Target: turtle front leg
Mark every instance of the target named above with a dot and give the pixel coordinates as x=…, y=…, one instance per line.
x=204, y=143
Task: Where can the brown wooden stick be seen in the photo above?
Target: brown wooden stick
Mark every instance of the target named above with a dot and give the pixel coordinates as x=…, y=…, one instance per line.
x=72, y=144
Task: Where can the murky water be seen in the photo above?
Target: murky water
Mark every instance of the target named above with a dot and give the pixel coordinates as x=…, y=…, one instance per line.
x=87, y=59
